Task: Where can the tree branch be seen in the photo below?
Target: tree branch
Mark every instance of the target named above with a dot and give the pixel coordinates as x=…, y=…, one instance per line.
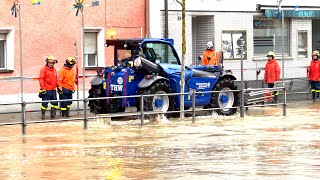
x=178, y=1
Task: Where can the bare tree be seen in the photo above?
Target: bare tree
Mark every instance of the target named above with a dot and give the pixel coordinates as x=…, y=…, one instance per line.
x=182, y=82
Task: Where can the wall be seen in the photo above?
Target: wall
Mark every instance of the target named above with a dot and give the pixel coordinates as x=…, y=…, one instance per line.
x=52, y=27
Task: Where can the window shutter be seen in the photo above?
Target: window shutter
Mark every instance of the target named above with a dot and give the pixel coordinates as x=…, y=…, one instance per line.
x=2, y=36
x=204, y=33
x=90, y=42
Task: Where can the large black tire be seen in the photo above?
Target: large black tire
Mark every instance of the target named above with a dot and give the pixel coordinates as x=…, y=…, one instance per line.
x=156, y=103
x=101, y=106
x=225, y=100
x=97, y=106
x=114, y=105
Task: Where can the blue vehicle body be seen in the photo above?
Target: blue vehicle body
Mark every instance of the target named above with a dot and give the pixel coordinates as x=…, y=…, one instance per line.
x=159, y=71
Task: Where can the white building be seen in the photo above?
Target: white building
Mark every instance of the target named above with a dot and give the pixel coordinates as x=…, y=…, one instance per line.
x=224, y=21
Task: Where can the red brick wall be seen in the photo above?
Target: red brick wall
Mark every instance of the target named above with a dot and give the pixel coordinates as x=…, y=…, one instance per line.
x=51, y=28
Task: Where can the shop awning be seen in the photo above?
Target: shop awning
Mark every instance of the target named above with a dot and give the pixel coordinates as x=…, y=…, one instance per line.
x=271, y=11
x=292, y=13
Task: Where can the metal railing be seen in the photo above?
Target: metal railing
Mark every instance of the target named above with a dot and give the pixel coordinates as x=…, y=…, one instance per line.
x=140, y=113
x=291, y=90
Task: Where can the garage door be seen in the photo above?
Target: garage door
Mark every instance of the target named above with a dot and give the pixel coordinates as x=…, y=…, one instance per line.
x=203, y=31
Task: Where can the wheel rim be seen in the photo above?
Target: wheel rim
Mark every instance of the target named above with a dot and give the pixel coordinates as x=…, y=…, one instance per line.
x=226, y=99
x=160, y=103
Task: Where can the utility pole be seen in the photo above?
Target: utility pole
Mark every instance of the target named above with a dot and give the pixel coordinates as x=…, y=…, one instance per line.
x=16, y=10
x=282, y=47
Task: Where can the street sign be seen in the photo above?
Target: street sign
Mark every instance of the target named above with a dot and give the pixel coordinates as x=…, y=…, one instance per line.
x=95, y=3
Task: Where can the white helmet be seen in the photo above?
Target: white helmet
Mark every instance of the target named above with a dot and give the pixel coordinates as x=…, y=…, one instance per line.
x=210, y=45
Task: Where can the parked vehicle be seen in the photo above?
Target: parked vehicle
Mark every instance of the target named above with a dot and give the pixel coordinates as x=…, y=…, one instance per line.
x=152, y=66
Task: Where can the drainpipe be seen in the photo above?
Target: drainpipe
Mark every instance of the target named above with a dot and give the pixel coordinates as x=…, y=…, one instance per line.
x=166, y=30
x=146, y=19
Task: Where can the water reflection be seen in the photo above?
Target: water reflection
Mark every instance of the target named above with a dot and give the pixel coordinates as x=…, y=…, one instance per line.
x=262, y=145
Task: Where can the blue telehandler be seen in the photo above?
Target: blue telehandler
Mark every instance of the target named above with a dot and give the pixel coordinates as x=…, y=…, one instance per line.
x=152, y=66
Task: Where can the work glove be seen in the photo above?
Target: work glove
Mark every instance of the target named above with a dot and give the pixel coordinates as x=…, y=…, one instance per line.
x=42, y=93
x=59, y=90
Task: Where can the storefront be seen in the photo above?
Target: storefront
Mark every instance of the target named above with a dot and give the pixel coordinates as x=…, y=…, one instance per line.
x=225, y=21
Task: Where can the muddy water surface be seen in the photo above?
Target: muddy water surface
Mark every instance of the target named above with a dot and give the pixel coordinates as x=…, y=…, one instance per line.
x=262, y=145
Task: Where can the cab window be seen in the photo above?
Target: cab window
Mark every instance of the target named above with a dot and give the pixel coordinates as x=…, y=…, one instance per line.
x=159, y=53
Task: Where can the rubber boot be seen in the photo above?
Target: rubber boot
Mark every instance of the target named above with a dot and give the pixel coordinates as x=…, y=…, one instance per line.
x=275, y=99
x=313, y=95
x=53, y=112
x=317, y=95
x=67, y=112
x=43, y=114
x=63, y=113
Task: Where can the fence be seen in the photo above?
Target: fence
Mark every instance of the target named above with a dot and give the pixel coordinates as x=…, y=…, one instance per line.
x=142, y=113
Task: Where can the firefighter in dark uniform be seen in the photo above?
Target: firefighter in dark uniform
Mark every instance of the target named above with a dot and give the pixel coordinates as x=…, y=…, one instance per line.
x=314, y=75
x=272, y=73
x=67, y=78
x=48, y=84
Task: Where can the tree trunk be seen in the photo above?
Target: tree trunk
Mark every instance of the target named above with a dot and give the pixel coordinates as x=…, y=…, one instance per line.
x=183, y=57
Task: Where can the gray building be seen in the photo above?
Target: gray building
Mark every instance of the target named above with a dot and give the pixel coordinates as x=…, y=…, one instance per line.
x=257, y=21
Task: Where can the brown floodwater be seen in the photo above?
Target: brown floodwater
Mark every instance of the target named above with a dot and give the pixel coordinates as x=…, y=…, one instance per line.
x=263, y=144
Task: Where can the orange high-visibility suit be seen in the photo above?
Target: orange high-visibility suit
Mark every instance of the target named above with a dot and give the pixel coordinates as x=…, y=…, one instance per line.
x=272, y=71
x=48, y=78
x=210, y=57
x=67, y=78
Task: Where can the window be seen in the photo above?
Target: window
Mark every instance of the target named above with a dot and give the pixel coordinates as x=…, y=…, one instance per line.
x=160, y=53
x=267, y=36
x=94, y=53
x=229, y=44
x=91, y=59
x=2, y=51
x=6, y=50
x=302, y=44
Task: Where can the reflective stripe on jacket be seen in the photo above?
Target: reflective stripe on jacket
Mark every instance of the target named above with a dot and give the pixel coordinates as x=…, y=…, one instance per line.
x=272, y=71
x=212, y=55
x=67, y=78
x=314, y=72
x=48, y=78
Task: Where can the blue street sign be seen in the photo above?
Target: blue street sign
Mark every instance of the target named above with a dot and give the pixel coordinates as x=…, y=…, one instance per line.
x=95, y=3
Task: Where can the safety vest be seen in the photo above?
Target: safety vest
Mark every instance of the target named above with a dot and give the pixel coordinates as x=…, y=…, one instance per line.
x=314, y=72
x=210, y=57
x=67, y=78
x=48, y=78
x=272, y=71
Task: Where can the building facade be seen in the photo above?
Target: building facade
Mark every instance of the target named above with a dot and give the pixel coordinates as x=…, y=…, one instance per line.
x=52, y=28
x=257, y=21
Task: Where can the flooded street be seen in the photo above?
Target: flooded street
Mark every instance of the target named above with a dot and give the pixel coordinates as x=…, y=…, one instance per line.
x=262, y=145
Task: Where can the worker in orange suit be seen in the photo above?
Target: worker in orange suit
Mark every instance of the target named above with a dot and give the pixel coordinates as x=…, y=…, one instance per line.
x=48, y=80
x=210, y=57
x=67, y=78
x=272, y=73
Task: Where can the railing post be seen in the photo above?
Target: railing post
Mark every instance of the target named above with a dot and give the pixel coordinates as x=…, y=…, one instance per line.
x=85, y=101
x=23, y=117
x=193, y=105
x=141, y=110
x=284, y=102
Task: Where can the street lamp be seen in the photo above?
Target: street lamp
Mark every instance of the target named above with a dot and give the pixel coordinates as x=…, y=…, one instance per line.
x=80, y=7
x=240, y=43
